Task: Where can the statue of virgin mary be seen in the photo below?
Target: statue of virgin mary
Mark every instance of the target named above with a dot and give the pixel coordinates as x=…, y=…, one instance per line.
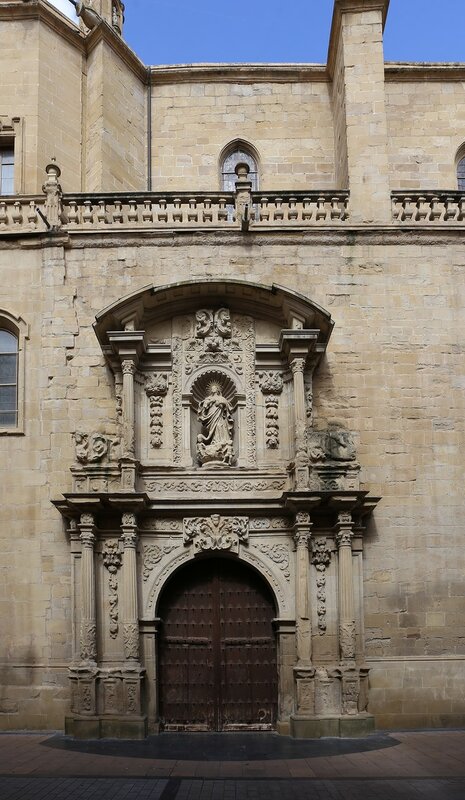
x=215, y=443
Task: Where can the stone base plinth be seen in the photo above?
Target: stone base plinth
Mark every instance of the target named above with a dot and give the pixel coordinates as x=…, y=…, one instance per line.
x=106, y=727
x=343, y=727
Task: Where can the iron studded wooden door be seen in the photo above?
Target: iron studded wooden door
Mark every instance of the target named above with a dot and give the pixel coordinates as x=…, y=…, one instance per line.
x=217, y=665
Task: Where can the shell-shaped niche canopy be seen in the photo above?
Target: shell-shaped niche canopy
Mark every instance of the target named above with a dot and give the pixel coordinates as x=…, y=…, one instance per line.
x=203, y=384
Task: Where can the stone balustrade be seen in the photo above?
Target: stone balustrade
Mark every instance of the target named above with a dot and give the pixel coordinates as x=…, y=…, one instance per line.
x=22, y=213
x=424, y=208
x=181, y=210
x=299, y=208
x=81, y=212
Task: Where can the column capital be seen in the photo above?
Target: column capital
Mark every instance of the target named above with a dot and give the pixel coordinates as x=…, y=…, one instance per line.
x=87, y=530
x=128, y=366
x=129, y=530
x=344, y=529
x=297, y=365
x=302, y=528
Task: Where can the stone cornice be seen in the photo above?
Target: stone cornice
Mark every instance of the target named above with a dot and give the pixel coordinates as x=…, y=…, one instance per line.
x=424, y=71
x=105, y=33
x=39, y=10
x=238, y=73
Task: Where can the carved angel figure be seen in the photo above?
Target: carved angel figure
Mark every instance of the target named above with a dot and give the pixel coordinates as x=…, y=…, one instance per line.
x=215, y=444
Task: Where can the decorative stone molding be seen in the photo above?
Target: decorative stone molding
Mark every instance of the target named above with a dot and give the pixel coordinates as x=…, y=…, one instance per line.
x=215, y=486
x=321, y=557
x=347, y=640
x=156, y=388
x=271, y=385
x=152, y=555
x=112, y=560
x=131, y=640
x=275, y=523
x=216, y=532
x=92, y=448
x=333, y=444
x=279, y=553
x=213, y=327
x=88, y=640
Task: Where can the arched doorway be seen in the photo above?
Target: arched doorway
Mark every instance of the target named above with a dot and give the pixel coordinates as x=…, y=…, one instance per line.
x=217, y=654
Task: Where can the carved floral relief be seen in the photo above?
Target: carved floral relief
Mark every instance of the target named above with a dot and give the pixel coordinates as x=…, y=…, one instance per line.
x=216, y=532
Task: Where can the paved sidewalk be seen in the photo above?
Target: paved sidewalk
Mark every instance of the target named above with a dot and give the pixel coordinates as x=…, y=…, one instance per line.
x=395, y=766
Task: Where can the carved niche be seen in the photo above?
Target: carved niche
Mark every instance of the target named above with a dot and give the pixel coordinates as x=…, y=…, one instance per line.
x=213, y=388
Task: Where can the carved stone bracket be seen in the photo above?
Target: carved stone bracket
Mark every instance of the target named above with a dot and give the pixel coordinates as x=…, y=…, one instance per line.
x=156, y=389
x=112, y=560
x=271, y=384
x=216, y=532
x=321, y=557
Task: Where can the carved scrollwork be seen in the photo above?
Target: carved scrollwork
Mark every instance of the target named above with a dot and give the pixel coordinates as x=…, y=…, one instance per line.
x=271, y=385
x=279, y=553
x=321, y=557
x=347, y=640
x=112, y=560
x=216, y=532
x=131, y=640
x=156, y=389
x=88, y=640
x=152, y=555
x=213, y=327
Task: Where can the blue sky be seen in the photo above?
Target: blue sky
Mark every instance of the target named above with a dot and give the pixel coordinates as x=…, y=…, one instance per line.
x=186, y=31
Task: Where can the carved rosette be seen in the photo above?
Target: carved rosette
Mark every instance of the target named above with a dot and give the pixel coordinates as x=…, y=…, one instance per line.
x=271, y=385
x=321, y=557
x=156, y=389
x=216, y=532
x=112, y=560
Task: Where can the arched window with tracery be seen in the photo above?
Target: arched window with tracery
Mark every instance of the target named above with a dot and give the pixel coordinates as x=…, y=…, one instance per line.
x=8, y=379
x=238, y=153
x=461, y=173
x=13, y=333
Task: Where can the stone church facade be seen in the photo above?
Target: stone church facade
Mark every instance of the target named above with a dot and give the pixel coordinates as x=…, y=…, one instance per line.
x=231, y=385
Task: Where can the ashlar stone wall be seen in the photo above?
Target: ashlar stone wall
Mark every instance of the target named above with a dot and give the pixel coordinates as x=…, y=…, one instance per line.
x=392, y=375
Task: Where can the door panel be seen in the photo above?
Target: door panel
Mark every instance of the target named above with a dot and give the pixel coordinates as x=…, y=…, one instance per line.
x=217, y=649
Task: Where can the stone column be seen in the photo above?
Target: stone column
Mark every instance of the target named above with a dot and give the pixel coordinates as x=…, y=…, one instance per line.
x=132, y=672
x=344, y=534
x=128, y=368
x=302, y=604
x=129, y=573
x=88, y=633
x=300, y=420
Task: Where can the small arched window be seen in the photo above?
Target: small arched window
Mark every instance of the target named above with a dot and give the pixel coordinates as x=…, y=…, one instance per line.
x=461, y=175
x=8, y=379
x=234, y=155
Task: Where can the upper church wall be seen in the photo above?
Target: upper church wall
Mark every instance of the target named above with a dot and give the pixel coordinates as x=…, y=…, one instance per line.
x=289, y=124
x=426, y=123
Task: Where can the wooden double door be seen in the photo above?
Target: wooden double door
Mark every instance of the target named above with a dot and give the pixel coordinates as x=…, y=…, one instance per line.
x=217, y=649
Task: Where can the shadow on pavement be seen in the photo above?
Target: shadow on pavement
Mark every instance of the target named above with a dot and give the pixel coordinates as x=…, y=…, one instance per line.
x=221, y=746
